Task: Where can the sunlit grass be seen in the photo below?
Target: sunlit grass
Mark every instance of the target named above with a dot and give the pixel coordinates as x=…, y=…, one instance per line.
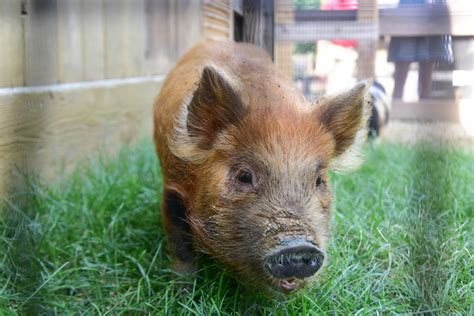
x=93, y=244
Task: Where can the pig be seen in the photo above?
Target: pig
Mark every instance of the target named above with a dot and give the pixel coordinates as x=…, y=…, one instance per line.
x=245, y=161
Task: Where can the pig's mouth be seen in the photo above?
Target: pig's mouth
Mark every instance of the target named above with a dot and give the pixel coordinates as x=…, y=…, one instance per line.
x=289, y=285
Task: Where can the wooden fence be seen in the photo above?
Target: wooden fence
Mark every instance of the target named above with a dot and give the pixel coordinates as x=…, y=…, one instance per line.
x=366, y=25
x=77, y=76
x=46, y=42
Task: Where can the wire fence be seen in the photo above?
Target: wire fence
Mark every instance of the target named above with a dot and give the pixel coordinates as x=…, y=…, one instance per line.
x=416, y=49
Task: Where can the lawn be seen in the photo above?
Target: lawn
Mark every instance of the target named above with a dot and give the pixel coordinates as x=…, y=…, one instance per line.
x=402, y=243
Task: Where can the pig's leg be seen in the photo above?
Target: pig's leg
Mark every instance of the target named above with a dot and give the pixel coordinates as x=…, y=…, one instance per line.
x=177, y=229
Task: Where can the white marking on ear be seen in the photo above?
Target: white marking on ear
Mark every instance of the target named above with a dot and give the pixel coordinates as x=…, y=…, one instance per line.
x=351, y=159
x=182, y=145
x=227, y=75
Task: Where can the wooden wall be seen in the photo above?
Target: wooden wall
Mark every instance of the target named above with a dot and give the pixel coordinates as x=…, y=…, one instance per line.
x=47, y=130
x=78, y=76
x=218, y=19
x=58, y=41
x=11, y=44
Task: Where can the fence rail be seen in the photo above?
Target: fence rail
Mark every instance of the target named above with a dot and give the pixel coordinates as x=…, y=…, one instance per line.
x=313, y=25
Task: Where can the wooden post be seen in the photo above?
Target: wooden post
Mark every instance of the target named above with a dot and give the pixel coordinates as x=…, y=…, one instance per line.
x=367, y=12
x=69, y=40
x=258, y=23
x=11, y=43
x=269, y=26
x=284, y=49
x=189, y=23
x=124, y=26
x=41, y=43
x=93, y=48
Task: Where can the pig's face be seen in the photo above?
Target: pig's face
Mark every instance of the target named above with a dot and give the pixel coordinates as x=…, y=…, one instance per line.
x=262, y=200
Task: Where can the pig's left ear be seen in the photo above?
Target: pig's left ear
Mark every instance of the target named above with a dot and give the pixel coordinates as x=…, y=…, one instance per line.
x=213, y=107
x=345, y=117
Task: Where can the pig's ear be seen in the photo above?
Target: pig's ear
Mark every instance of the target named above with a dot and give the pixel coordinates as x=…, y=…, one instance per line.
x=213, y=107
x=345, y=117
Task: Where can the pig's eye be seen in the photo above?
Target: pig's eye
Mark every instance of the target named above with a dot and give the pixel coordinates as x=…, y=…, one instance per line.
x=319, y=182
x=244, y=176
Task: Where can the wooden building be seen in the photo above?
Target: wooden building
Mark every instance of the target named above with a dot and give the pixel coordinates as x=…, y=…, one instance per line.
x=80, y=76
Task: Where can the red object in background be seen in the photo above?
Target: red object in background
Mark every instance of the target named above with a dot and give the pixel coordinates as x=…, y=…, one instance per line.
x=341, y=5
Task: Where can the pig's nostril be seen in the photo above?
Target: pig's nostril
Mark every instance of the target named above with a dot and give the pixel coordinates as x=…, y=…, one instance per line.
x=299, y=260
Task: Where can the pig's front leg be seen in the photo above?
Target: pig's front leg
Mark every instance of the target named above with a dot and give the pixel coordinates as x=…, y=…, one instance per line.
x=180, y=242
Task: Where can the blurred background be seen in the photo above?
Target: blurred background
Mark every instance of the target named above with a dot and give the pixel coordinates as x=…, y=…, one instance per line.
x=80, y=76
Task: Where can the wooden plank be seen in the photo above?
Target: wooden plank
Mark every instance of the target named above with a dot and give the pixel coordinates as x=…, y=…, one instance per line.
x=134, y=37
x=253, y=22
x=420, y=21
x=189, y=26
x=213, y=35
x=284, y=12
x=93, y=56
x=208, y=7
x=11, y=43
x=284, y=16
x=258, y=23
x=224, y=6
x=125, y=37
x=431, y=110
x=160, y=42
x=40, y=43
x=217, y=21
x=172, y=28
x=113, y=38
x=314, y=31
x=366, y=48
x=283, y=58
x=325, y=15
x=367, y=10
x=217, y=27
x=69, y=30
x=269, y=26
x=51, y=128
x=403, y=21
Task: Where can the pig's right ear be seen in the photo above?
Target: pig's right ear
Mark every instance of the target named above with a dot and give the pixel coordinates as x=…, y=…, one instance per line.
x=213, y=107
x=345, y=117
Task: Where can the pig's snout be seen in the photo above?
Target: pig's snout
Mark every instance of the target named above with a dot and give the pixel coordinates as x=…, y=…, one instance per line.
x=298, y=259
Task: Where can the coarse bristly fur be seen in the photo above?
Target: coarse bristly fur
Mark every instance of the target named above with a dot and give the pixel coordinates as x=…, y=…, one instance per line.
x=225, y=110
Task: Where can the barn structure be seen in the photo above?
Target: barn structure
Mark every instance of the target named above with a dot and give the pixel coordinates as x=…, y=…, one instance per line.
x=80, y=76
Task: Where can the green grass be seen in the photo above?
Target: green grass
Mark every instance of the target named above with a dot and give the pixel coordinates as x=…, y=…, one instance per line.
x=402, y=242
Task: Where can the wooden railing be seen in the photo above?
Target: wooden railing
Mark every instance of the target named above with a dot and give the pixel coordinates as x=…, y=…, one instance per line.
x=313, y=25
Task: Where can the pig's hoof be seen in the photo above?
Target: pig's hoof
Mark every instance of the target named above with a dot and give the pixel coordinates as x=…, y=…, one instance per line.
x=184, y=276
x=183, y=268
